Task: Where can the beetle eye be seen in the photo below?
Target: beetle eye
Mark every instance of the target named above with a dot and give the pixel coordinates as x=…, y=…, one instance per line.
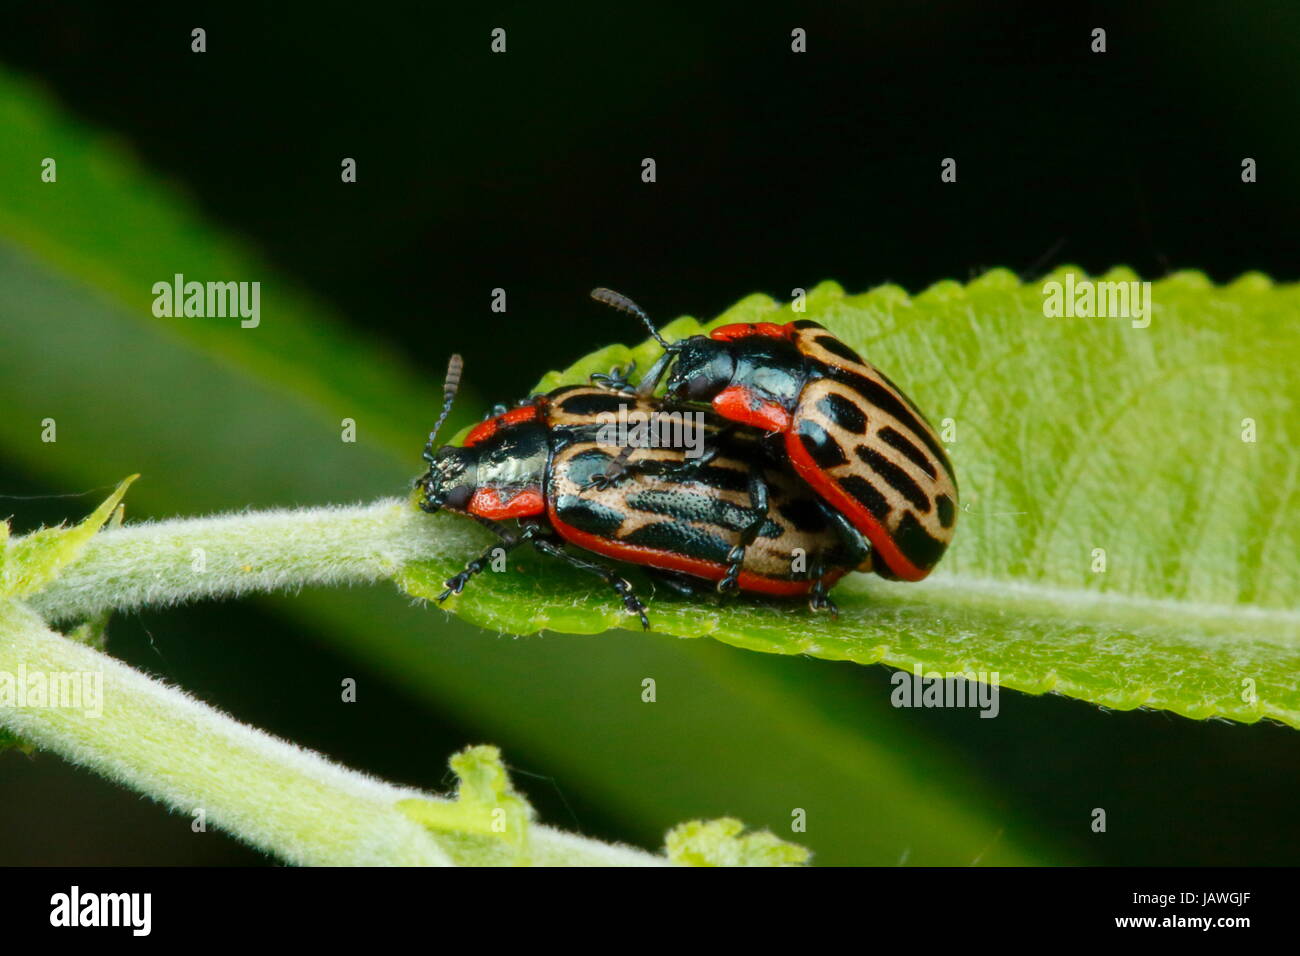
x=458, y=498
x=699, y=387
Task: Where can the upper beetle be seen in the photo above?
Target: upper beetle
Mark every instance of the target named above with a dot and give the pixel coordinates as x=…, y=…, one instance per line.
x=847, y=430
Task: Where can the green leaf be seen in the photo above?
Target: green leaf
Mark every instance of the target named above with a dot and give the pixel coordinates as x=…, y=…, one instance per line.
x=1078, y=441
x=29, y=563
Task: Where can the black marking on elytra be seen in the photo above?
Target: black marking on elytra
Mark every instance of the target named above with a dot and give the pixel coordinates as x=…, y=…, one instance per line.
x=593, y=403
x=680, y=538
x=899, y=442
x=821, y=447
x=587, y=515
x=916, y=543
x=714, y=476
x=703, y=509
x=845, y=413
x=865, y=492
x=582, y=466
x=721, y=478
x=806, y=324
x=898, y=479
x=887, y=402
x=947, y=510
x=906, y=398
x=833, y=345
x=803, y=514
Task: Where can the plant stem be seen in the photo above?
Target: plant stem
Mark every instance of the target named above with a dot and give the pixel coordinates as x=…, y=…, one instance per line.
x=170, y=562
x=268, y=792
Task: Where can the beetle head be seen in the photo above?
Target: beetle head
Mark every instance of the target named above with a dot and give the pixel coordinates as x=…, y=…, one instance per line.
x=452, y=479
x=453, y=472
x=701, y=366
x=704, y=367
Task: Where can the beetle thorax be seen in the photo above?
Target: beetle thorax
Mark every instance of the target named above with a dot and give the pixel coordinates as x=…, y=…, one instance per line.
x=773, y=369
x=512, y=467
x=703, y=368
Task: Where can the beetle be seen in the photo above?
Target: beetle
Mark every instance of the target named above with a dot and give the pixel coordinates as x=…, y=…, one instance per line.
x=845, y=428
x=686, y=521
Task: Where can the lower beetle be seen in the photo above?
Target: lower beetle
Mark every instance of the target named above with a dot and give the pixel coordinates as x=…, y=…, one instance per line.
x=725, y=516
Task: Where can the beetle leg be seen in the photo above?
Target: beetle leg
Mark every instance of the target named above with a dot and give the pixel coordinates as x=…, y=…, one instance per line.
x=818, y=599
x=616, y=469
x=680, y=583
x=736, y=556
x=616, y=379
x=853, y=539
x=686, y=471
x=631, y=603
x=456, y=583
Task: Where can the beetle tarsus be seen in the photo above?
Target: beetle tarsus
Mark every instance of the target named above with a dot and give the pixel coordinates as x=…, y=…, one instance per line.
x=456, y=583
x=616, y=379
x=818, y=599
x=617, y=469
x=758, y=501
x=731, y=580
x=622, y=587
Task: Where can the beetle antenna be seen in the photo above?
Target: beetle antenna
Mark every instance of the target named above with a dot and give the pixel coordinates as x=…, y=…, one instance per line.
x=449, y=387
x=617, y=300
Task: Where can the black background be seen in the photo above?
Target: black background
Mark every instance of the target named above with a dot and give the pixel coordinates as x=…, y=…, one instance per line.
x=775, y=170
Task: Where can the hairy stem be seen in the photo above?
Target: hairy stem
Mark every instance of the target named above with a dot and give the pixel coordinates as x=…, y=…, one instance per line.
x=270, y=793
x=170, y=562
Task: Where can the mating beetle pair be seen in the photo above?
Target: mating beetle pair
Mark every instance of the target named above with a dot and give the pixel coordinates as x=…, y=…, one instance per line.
x=775, y=505
x=545, y=464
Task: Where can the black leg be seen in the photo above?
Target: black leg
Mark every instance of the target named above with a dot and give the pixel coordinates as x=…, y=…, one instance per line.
x=616, y=379
x=818, y=599
x=456, y=583
x=616, y=469
x=425, y=505
x=686, y=471
x=624, y=590
x=620, y=468
x=692, y=466
x=680, y=583
x=736, y=556
x=853, y=539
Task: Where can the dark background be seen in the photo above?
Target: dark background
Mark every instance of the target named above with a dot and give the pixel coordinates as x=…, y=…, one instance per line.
x=775, y=170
